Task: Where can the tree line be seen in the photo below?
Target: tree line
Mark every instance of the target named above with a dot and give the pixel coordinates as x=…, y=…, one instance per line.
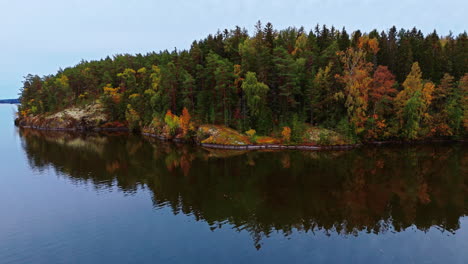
x=388, y=85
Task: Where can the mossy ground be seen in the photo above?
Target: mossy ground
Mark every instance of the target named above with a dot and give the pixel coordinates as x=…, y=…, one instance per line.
x=221, y=135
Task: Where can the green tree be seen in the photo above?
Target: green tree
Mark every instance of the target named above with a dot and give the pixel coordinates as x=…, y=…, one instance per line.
x=412, y=115
x=255, y=93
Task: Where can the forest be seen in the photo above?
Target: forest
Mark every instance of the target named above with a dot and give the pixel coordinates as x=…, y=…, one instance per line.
x=388, y=85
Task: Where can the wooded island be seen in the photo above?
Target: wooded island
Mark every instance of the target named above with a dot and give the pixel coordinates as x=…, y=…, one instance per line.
x=289, y=87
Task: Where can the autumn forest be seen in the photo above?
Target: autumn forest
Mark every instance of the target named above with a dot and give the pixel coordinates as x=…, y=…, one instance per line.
x=395, y=84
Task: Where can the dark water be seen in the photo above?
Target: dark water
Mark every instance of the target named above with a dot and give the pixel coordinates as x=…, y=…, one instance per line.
x=68, y=198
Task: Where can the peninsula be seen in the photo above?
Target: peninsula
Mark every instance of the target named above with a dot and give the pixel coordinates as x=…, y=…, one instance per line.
x=274, y=88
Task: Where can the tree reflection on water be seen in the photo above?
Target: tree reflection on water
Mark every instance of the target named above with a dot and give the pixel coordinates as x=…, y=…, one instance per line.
x=369, y=189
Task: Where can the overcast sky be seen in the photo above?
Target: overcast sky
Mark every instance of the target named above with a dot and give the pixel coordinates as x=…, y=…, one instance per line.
x=39, y=37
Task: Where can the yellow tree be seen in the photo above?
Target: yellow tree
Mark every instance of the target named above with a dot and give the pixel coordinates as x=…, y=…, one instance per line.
x=154, y=92
x=357, y=80
x=128, y=79
x=427, y=91
x=63, y=92
x=368, y=44
x=413, y=86
x=111, y=99
x=300, y=45
x=155, y=77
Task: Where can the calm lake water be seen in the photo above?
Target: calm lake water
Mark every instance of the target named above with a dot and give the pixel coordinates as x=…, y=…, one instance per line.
x=68, y=198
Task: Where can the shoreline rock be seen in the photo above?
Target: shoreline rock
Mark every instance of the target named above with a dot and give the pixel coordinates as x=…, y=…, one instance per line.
x=247, y=146
x=93, y=119
x=199, y=143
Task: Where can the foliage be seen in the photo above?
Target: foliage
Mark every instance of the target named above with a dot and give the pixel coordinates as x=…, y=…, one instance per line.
x=112, y=101
x=172, y=121
x=360, y=84
x=321, y=95
x=286, y=134
x=184, y=121
x=133, y=118
x=323, y=139
x=298, y=128
x=255, y=94
x=346, y=129
x=463, y=91
x=413, y=103
x=382, y=91
x=357, y=81
x=412, y=115
x=251, y=134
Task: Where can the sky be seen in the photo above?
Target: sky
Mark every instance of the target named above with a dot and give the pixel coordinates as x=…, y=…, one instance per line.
x=39, y=37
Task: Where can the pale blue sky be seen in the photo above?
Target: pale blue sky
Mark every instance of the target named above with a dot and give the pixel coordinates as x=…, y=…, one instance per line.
x=41, y=36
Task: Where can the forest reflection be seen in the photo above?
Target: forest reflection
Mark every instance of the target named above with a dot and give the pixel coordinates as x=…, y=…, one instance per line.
x=368, y=189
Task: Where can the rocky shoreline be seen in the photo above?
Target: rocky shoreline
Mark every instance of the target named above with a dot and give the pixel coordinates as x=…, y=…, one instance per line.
x=279, y=147
x=77, y=129
x=252, y=146
x=93, y=119
x=241, y=147
x=85, y=129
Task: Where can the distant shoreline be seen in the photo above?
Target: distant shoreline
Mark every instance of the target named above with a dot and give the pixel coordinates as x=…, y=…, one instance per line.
x=9, y=101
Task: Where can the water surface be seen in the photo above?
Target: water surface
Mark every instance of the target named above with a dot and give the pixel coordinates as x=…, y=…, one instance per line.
x=118, y=198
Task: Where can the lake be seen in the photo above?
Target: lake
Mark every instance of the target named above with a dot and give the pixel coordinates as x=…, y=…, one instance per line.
x=119, y=198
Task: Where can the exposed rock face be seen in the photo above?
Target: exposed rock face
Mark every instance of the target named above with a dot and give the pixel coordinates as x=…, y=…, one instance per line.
x=89, y=117
x=213, y=134
x=92, y=117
